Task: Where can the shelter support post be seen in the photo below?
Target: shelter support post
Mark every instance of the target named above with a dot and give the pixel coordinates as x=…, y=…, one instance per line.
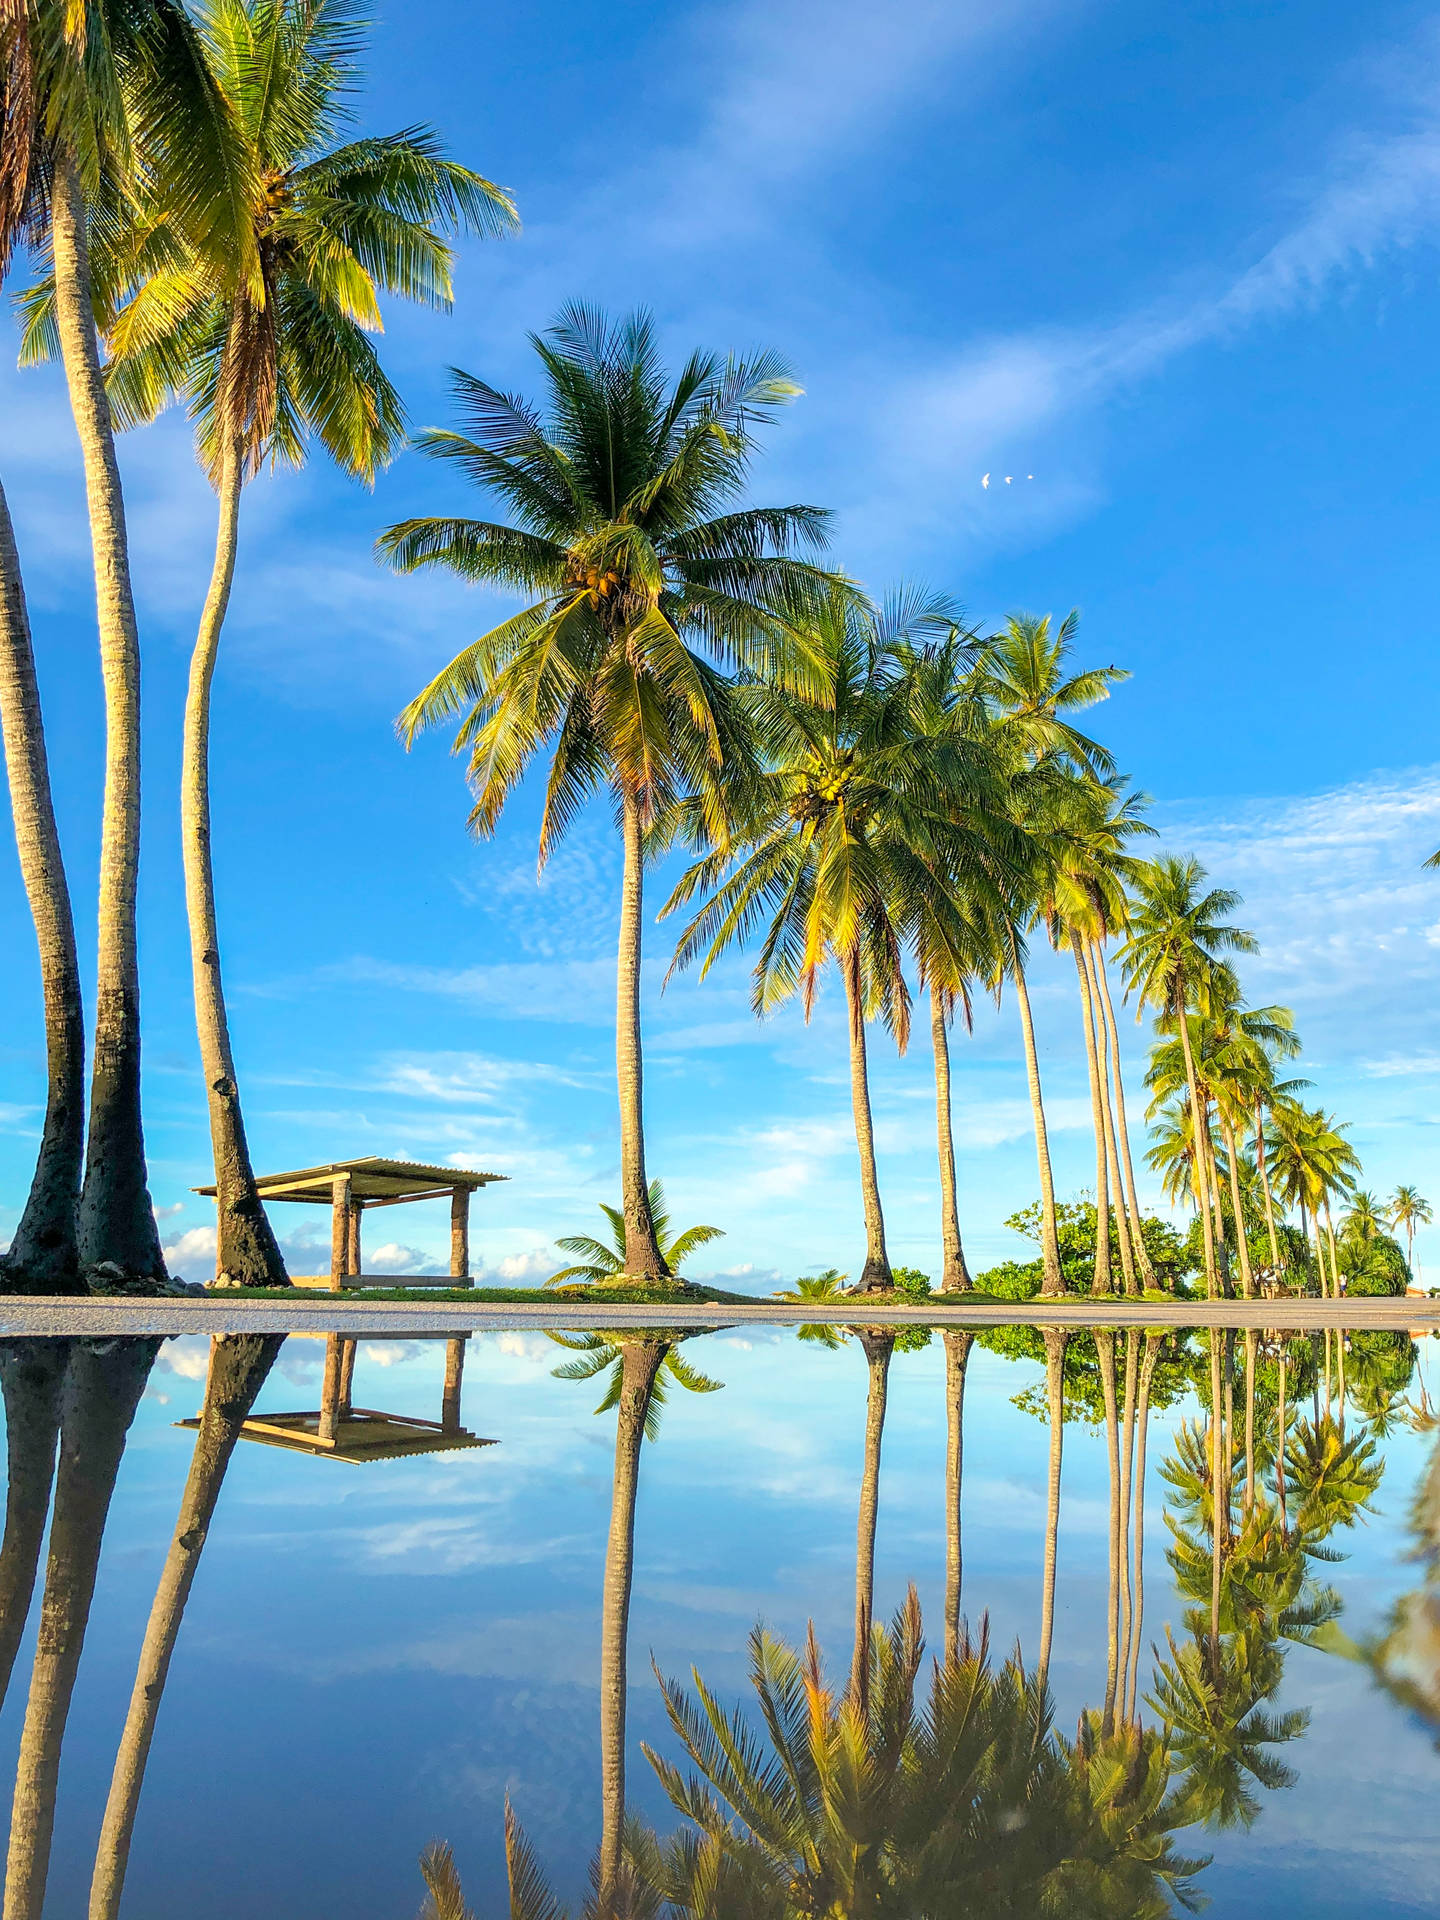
x=331, y=1388
x=339, y=1231
x=460, y=1233
x=454, y=1374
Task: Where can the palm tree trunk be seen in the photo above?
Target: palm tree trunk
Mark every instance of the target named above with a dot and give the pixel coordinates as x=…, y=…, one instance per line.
x=1127, y=1472
x=116, y=1222
x=239, y=1364
x=1108, y=1068
x=1265, y=1189
x=878, y=1349
x=1122, y=1123
x=1054, y=1280
x=1216, y=1491
x=1247, y=1276
x=1250, y=1339
x=32, y=1375
x=1334, y=1265
x=1212, y=1175
x=1202, y=1197
x=954, y=1274
x=876, y=1275
x=1105, y=1355
x=640, y=1362
x=1153, y=1344
x=42, y=1256
x=1055, y=1339
x=643, y=1258
x=1100, y=1276
x=102, y=1391
x=247, y=1253
x=1282, y=1422
x=957, y=1355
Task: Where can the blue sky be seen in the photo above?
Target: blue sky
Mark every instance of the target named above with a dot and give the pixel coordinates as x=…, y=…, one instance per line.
x=1179, y=267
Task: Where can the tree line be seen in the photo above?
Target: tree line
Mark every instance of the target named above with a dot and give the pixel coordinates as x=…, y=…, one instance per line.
x=865, y=786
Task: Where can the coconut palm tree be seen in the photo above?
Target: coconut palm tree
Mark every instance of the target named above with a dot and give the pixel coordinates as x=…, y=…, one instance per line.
x=599, y=1263
x=103, y=1385
x=1177, y=939
x=638, y=1366
x=42, y=1253
x=1409, y=1210
x=110, y=92
x=239, y=1366
x=859, y=837
x=264, y=363
x=1024, y=677
x=646, y=580
x=32, y=1375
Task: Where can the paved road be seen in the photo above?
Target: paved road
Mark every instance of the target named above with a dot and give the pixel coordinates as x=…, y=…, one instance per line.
x=321, y=1315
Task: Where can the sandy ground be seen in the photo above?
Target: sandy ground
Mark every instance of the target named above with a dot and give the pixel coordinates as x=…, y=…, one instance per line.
x=308, y=1313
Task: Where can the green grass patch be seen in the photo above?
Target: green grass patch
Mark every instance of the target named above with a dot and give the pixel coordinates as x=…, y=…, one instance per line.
x=618, y=1296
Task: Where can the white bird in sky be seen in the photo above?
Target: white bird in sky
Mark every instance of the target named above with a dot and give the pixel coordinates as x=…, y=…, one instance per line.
x=985, y=482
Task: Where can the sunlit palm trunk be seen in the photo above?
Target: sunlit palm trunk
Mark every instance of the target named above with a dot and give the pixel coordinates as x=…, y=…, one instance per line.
x=102, y=1391
x=1202, y=1197
x=878, y=1349
x=1216, y=1495
x=246, y=1250
x=1122, y=1124
x=1055, y=1410
x=640, y=1362
x=1100, y=1279
x=1265, y=1190
x=239, y=1364
x=1127, y=1484
x=32, y=1373
x=1108, y=1066
x=1212, y=1176
x=876, y=1274
x=42, y=1255
x=957, y=1356
x=1105, y=1355
x=643, y=1259
x=1153, y=1344
x=1232, y=1151
x=1282, y=1424
x=115, y=1218
x=954, y=1275
x=1250, y=1339
x=1053, y=1281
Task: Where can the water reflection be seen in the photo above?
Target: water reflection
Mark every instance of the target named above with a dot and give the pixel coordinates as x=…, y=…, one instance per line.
x=901, y=1788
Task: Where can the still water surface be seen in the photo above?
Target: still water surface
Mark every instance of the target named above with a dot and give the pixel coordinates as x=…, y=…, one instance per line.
x=380, y=1644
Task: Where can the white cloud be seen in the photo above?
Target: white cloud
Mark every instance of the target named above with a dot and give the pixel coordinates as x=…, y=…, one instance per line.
x=395, y=1257
x=191, y=1255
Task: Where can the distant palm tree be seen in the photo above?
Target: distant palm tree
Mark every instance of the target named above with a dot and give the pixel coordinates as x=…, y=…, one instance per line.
x=263, y=364
x=646, y=580
x=1409, y=1210
x=1177, y=939
x=859, y=833
x=1363, y=1219
x=600, y=1263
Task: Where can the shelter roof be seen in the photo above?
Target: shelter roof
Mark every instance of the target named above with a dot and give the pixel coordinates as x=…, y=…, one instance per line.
x=370, y=1179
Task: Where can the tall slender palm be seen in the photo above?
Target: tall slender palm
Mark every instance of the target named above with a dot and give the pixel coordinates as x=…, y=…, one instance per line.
x=108, y=92
x=859, y=837
x=263, y=365
x=1408, y=1209
x=32, y=1375
x=239, y=1366
x=637, y=1366
x=1177, y=939
x=647, y=579
x=1024, y=676
x=103, y=1385
x=42, y=1254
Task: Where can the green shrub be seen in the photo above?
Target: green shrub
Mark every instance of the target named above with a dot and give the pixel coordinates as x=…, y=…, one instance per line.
x=910, y=1280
